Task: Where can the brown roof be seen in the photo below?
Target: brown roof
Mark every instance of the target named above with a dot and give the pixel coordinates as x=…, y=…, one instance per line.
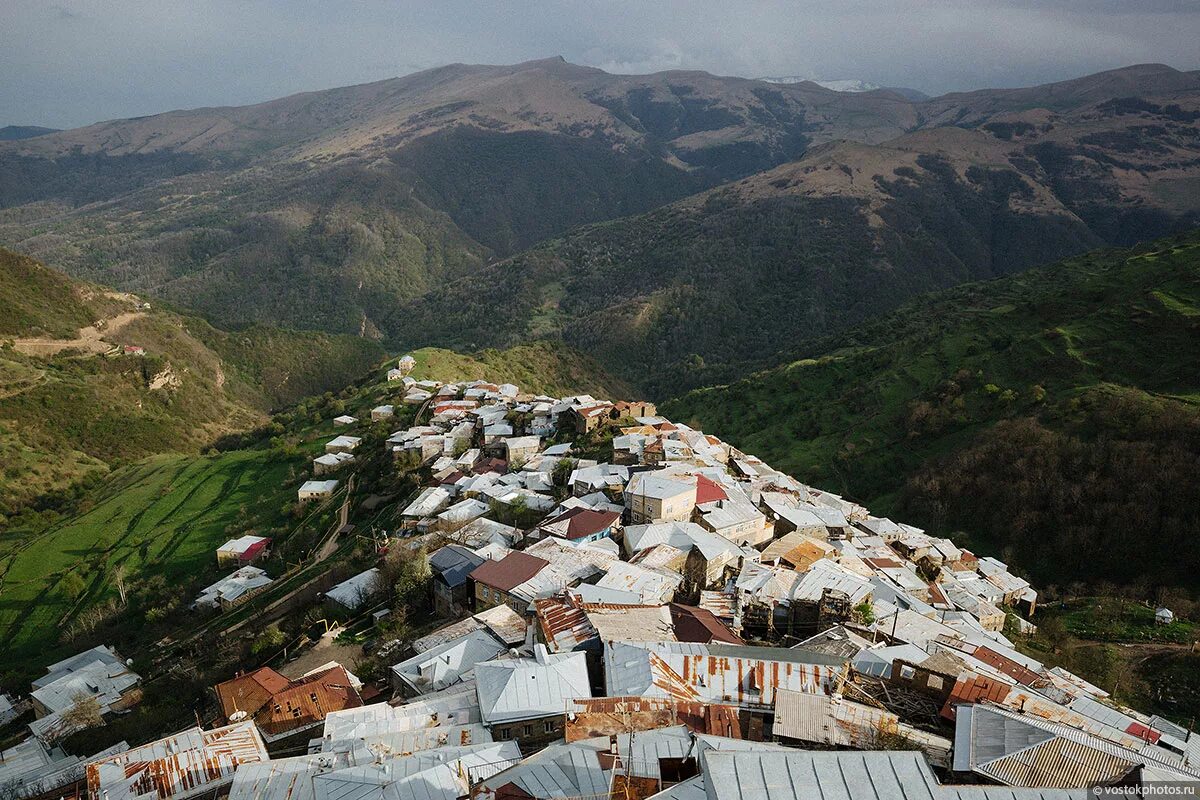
x=510, y=571
x=278, y=704
x=307, y=701
x=490, y=465
x=584, y=522
x=249, y=692
x=1006, y=665
x=974, y=689
x=592, y=411
x=694, y=624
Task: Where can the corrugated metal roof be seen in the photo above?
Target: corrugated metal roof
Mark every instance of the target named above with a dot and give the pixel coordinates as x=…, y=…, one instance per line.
x=189, y=763
x=822, y=719
x=805, y=775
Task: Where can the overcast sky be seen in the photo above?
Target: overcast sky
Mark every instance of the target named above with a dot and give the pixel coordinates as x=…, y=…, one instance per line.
x=65, y=63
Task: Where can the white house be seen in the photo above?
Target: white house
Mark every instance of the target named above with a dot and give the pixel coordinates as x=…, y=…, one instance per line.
x=317, y=490
x=342, y=444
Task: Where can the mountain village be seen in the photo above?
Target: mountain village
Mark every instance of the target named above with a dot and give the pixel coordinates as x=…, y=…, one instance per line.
x=626, y=607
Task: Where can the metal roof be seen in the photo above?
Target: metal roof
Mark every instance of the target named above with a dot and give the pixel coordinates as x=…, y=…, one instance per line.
x=528, y=688
x=353, y=592
x=805, y=775
x=187, y=764
x=509, y=572
x=448, y=663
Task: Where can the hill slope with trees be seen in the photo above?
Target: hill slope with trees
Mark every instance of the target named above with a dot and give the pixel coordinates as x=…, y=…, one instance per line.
x=1054, y=415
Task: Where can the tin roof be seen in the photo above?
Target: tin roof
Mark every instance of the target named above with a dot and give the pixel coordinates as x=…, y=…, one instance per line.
x=528, y=688
x=184, y=765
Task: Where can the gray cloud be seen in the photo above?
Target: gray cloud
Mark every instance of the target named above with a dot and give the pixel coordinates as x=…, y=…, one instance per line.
x=79, y=61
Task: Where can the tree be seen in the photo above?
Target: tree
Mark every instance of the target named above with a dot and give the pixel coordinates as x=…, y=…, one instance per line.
x=271, y=638
x=73, y=585
x=83, y=713
x=119, y=581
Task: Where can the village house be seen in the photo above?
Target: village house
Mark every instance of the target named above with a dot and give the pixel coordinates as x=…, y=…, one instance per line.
x=381, y=413
x=243, y=550
x=525, y=699
x=344, y=420
x=331, y=462
x=233, y=589
x=519, y=449
x=653, y=498
x=446, y=664
x=281, y=707
x=585, y=419
x=581, y=525
x=99, y=674
x=495, y=580
x=353, y=593
x=451, y=567
x=735, y=519
x=316, y=490
x=192, y=763
x=342, y=444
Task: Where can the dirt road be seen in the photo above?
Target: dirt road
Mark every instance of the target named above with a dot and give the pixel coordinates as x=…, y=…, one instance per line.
x=89, y=340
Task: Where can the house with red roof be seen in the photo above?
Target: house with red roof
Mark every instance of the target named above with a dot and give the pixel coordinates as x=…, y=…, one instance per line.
x=495, y=580
x=581, y=525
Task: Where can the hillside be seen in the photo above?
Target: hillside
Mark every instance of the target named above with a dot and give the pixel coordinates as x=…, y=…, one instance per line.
x=543, y=367
x=1037, y=412
x=74, y=403
x=691, y=293
x=326, y=210
x=321, y=210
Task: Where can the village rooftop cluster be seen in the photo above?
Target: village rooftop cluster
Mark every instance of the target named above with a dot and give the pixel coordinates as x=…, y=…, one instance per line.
x=671, y=618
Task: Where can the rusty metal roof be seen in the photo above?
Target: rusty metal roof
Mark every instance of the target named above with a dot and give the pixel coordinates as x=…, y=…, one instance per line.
x=189, y=763
x=563, y=623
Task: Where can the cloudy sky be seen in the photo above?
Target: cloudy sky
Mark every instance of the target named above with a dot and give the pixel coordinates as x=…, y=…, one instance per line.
x=65, y=63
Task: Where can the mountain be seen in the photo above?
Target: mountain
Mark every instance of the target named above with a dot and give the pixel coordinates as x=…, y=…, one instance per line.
x=332, y=210
x=1037, y=412
x=10, y=133
x=324, y=209
x=76, y=400
x=703, y=289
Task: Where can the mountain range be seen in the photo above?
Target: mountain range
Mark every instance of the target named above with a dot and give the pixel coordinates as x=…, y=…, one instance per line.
x=679, y=225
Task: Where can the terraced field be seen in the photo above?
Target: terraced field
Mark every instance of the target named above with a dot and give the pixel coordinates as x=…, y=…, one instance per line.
x=162, y=516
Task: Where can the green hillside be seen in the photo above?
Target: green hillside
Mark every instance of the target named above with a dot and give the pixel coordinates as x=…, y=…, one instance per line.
x=542, y=367
x=37, y=300
x=73, y=404
x=1053, y=417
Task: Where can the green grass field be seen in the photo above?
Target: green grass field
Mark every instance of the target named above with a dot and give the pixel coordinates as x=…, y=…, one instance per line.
x=163, y=516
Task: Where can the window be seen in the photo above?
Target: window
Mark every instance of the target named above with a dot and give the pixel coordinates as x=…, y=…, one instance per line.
x=527, y=730
x=485, y=593
x=296, y=713
x=548, y=726
x=505, y=733
x=934, y=682
x=907, y=672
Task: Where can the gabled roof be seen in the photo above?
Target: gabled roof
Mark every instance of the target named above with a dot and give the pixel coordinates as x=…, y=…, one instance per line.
x=510, y=571
x=708, y=491
x=454, y=563
x=579, y=523
x=694, y=624
x=528, y=688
